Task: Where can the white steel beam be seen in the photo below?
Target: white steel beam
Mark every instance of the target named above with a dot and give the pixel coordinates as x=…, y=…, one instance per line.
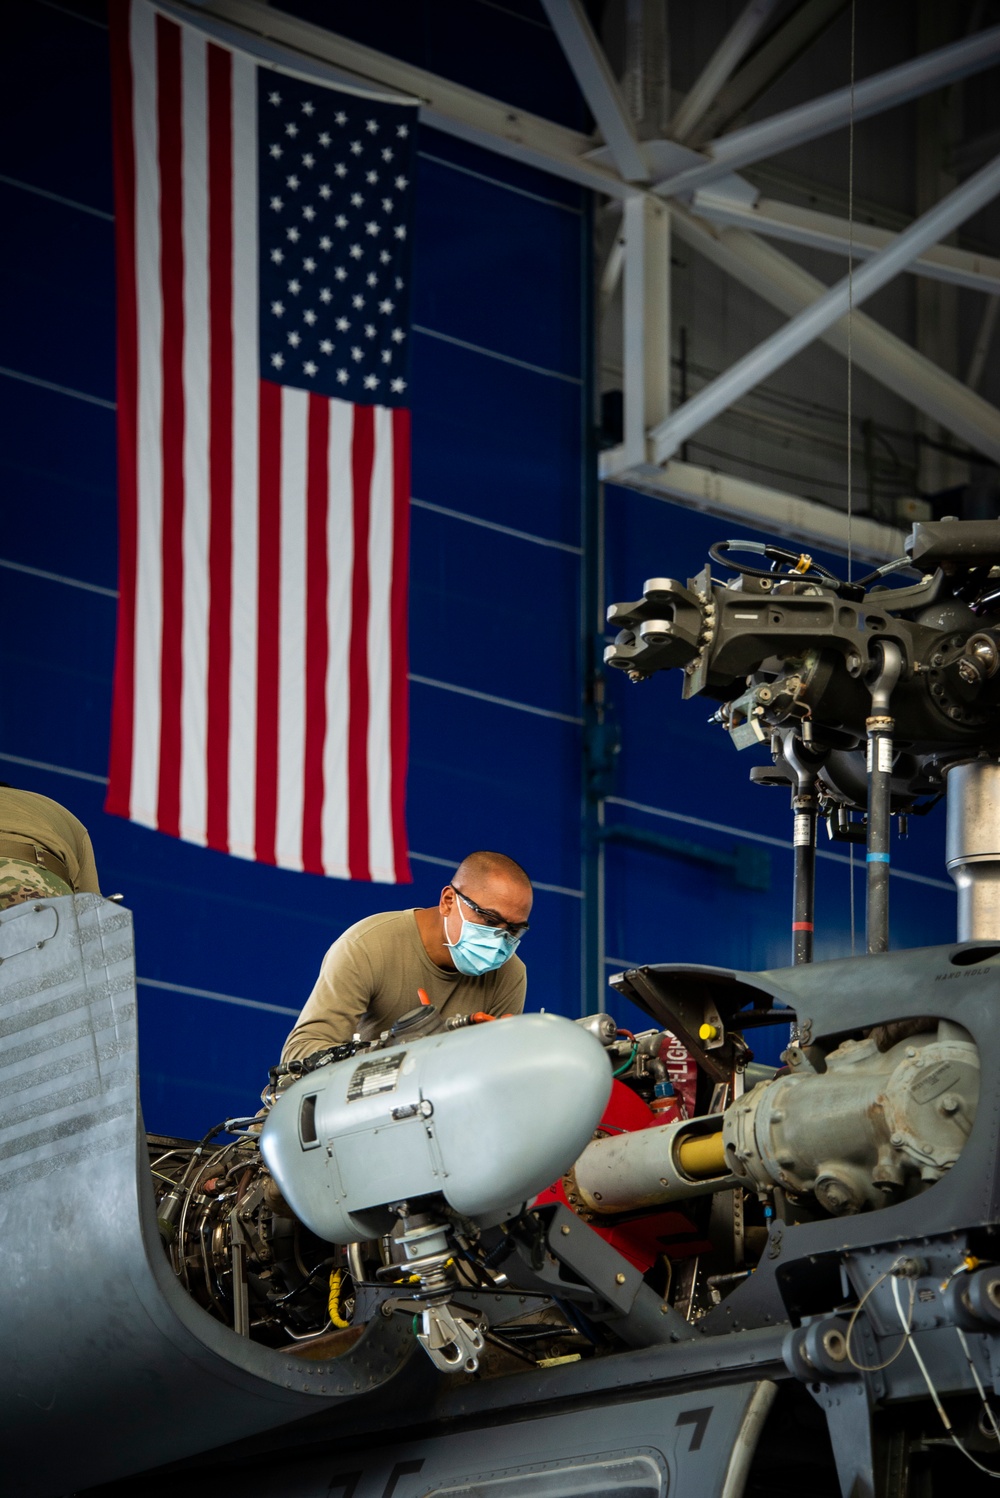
x=825, y=231
x=828, y=309
x=271, y=35
x=984, y=338
x=726, y=57
x=793, y=127
x=598, y=85
x=778, y=280
x=799, y=520
x=645, y=322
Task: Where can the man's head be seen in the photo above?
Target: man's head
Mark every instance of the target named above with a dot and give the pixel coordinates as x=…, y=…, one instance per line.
x=492, y=892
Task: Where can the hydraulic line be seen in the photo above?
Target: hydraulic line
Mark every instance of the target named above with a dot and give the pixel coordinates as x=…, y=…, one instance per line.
x=880, y=726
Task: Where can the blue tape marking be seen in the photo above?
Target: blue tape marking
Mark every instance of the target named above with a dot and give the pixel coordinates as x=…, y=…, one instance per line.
x=876, y=858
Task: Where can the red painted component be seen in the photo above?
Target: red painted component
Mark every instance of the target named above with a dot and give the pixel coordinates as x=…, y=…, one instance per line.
x=644, y=1239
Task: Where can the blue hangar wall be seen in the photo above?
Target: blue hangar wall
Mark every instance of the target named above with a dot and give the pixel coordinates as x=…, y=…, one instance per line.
x=227, y=951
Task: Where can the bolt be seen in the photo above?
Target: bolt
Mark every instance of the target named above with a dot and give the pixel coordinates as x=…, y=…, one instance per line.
x=896, y=1141
x=564, y=1230
x=664, y=1181
x=619, y=1279
x=598, y=1197
x=664, y=1309
x=949, y=1103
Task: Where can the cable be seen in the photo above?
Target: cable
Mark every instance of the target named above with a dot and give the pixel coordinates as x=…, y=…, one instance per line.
x=626, y=1064
x=932, y=1391
x=979, y=1384
x=875, y=1367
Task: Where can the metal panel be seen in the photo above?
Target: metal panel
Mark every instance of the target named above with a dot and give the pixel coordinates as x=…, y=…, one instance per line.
x=109, y=1366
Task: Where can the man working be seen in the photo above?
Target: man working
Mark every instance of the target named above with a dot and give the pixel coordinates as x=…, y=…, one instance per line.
x=44, y=849
x=460, y=952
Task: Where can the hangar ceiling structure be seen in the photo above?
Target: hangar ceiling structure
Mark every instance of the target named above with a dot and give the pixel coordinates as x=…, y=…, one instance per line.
x=670, y=168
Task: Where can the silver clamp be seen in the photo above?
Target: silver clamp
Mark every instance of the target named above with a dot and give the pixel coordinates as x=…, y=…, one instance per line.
x=453, y=1344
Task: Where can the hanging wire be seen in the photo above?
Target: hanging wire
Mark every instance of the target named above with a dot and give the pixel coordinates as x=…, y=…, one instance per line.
x=850, y=386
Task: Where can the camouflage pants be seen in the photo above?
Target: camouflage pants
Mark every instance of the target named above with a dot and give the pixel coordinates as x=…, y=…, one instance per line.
x=20, y=880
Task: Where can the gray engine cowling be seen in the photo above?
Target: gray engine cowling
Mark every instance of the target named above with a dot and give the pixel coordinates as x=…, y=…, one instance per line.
x=485, y=1117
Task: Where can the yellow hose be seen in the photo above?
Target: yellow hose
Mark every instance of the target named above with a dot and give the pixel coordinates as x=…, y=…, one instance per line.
x=702, y=1156
x=333, y=1304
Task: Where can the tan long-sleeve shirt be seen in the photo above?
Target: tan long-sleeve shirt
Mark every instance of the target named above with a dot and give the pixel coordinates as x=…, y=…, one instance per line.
x=38, y=819
x=370, y=977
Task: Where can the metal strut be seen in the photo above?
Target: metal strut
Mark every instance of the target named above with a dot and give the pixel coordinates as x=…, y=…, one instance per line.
x=880, y=753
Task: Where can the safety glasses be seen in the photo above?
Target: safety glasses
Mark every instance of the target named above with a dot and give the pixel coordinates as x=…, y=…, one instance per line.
x=493, y=918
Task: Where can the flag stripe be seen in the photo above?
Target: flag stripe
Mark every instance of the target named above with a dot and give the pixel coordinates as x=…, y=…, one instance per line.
x=292, y=627
x=245, y=520
x=195, y=512
x=399, y=748
x=169, y=106
x=220, y=436
x=362, y=457
x=268, y=613
x=317, y=585
x=340, y=551
x=380, y=853
x=120, y=772
x=148, y=628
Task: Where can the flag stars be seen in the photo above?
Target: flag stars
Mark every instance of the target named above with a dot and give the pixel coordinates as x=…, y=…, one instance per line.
x=387, y=205
x=340, y=221
x=355, y=252
x=294, y=286
x=388, y=154
x=400, y=231
x=292, y=129
x=358, y=302
x=325, y=243
x=342, y=325
x=373, y=228
x=340, y=169
x=324, y=190
x=278, y=361
x=371, y=278
x=371, y=381
x=399, y=283
x=308, y=107
x=340, y=117
x=369, y=330
x=357, y=354
x=402, y=183
x=384, y=257
x=276, y=152
x=371, y=178
x=326, y=295
x=278, y=308
x=277, y=204
x=340, y=273
x=356, y=148
x=274, y=98
x=293, y=234
x=397, y=335
x=294, y=339
x=342, y=376
x=309, y=212
x=309, y=367
x=386, y=306
x=309, y=316
x=324, y=138
x=371, y=126
x=309, y=263
x=277, y=256
x=402, y=131
x=356, y=200
x=397, y=386
x=292, y=182
x=325, y=346
x=309, y=159
x=387, y=356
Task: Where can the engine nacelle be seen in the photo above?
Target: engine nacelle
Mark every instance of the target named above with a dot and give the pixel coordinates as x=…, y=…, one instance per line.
x=485, y=1118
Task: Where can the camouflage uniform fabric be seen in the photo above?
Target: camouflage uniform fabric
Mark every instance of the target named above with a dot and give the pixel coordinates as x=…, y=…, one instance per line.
x=20, y=880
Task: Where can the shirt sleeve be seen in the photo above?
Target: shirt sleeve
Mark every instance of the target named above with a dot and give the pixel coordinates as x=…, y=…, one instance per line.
x=341, y=996
x=86, y=879
x=511, y=990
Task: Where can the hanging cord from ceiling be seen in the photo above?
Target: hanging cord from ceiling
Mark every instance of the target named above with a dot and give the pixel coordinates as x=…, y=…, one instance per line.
x=850, y=381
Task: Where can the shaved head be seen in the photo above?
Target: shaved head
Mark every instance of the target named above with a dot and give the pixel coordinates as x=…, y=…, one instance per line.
x=488, y=868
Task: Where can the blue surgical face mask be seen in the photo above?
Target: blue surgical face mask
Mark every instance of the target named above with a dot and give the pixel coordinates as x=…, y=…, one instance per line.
x=479, y=949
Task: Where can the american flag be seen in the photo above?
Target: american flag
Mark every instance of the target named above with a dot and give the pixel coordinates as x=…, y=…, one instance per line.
x=263, y=235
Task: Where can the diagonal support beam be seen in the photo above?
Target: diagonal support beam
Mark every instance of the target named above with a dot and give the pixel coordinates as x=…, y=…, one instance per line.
x=825, y=231
x=598, y=85
x=793, y=127
x=807, y=327
x=888, y=359
x=727, y=56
